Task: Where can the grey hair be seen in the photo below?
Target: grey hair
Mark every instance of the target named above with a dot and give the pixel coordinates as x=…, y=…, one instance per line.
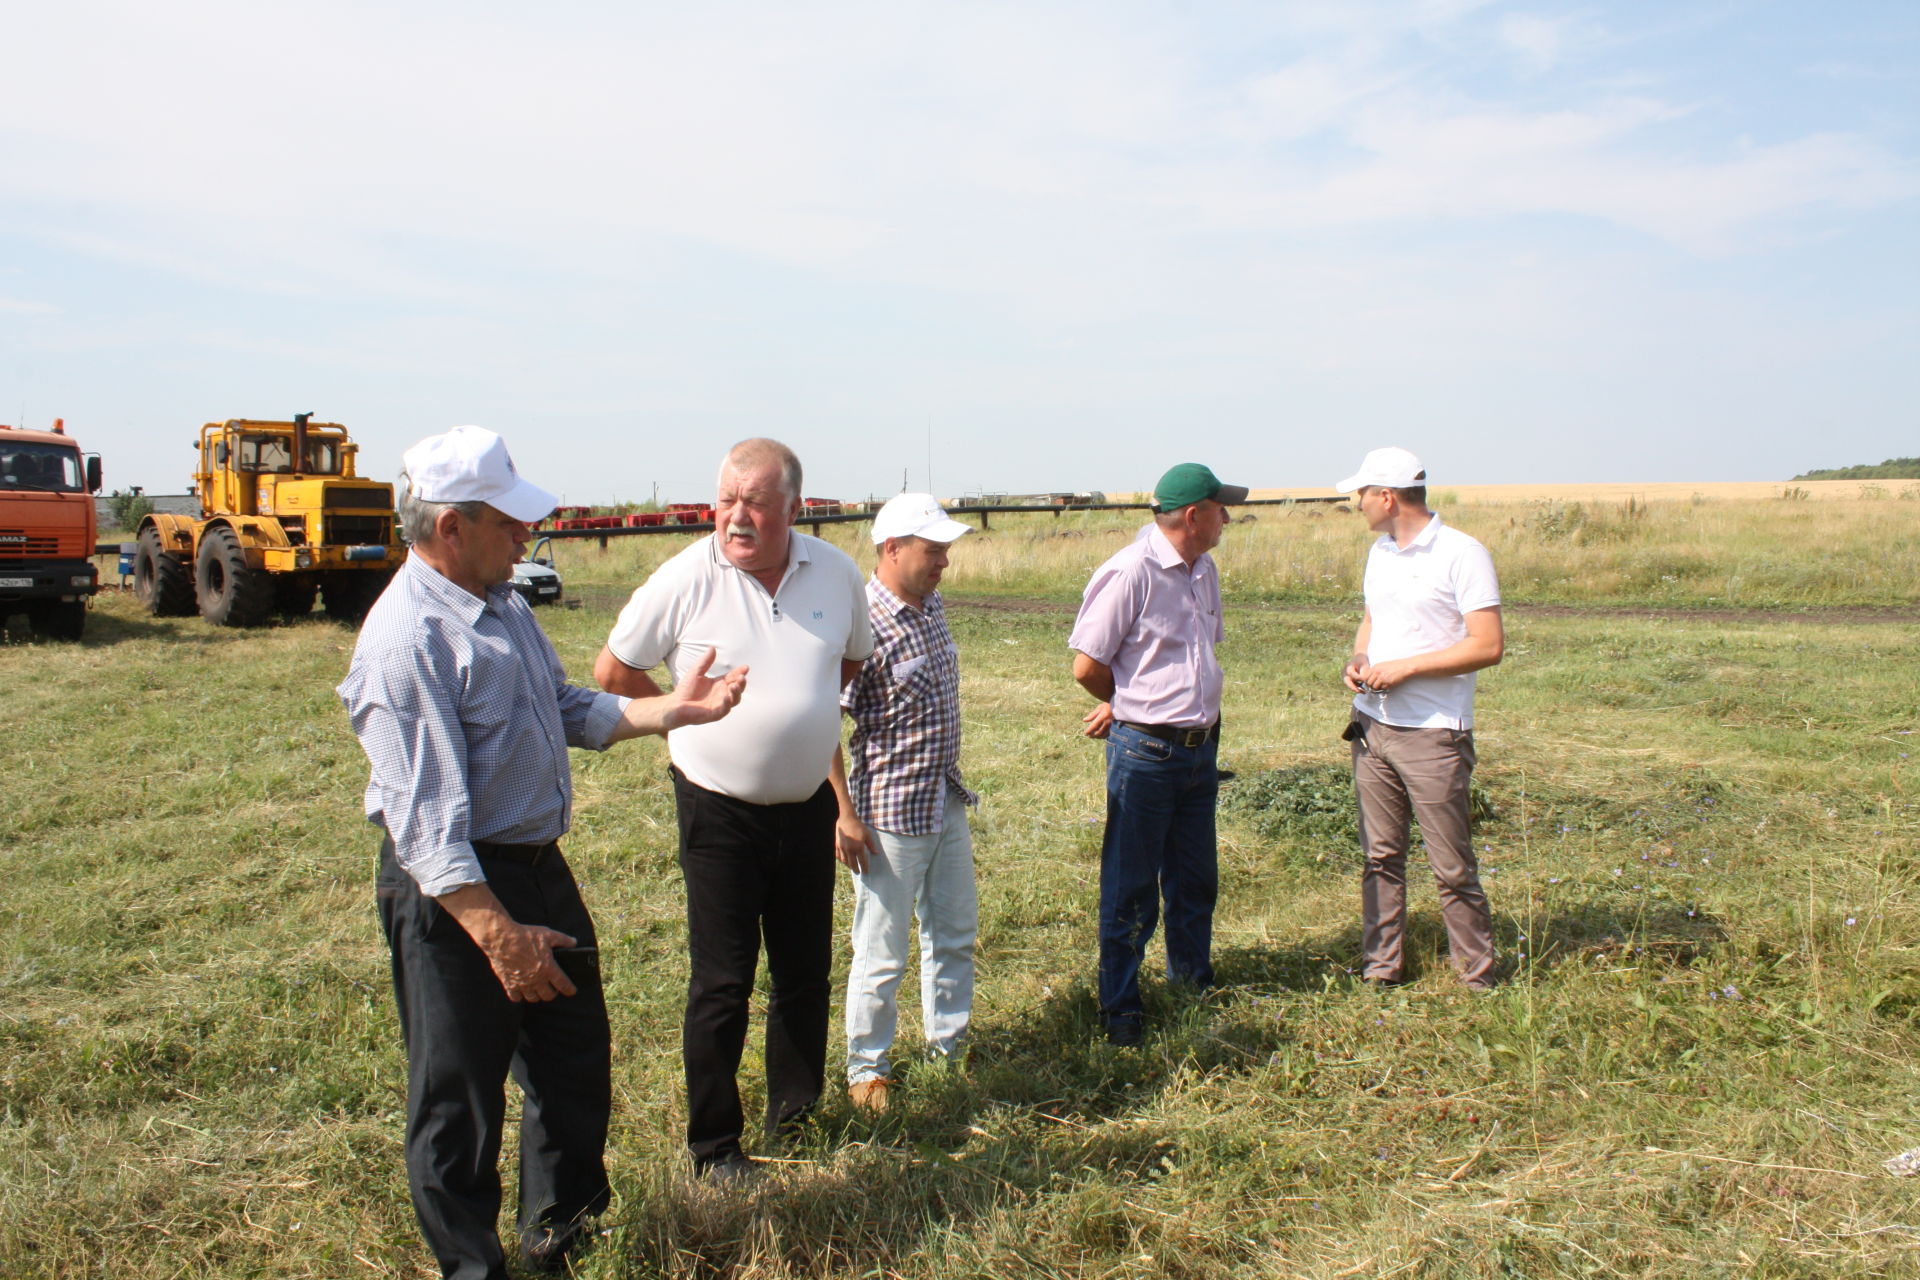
x=417, y=515
x=760, y=451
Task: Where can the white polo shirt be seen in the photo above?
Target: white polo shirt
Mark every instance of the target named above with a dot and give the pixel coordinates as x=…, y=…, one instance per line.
x=1418, y=597
x=777, y=745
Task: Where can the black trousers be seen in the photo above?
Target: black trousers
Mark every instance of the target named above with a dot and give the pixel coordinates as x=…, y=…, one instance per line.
x=754, y=872
x=462, y=1038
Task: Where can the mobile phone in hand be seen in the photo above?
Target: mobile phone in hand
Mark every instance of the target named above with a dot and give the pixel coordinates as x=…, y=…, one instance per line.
x=580, y=964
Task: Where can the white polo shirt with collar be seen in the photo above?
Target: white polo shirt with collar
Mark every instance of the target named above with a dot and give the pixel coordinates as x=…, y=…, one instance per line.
x=1418, y=597
x=777, y=745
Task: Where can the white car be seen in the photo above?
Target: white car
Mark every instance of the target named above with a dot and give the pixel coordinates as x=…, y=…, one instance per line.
x=535, y=577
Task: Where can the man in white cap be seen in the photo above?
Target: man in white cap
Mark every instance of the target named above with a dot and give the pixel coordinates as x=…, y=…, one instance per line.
x=1432, y=620
x=466, y=716
x=755, y=810
x=903, y=829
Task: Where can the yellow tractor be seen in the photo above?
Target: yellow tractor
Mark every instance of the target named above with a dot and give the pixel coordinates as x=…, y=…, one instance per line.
x=283, y=518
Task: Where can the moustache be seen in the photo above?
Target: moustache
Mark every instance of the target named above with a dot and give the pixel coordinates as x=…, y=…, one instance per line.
x=740, y=531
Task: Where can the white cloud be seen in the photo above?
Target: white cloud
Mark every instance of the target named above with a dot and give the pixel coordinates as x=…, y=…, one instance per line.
x=969, y=149
x=1538, y=42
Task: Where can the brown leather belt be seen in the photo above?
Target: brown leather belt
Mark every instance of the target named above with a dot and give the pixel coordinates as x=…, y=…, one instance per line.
x=1178, y=735
x=529, y=854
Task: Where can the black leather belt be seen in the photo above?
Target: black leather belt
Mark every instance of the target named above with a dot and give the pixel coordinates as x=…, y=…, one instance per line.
x=529, y=854
x=1179, y=736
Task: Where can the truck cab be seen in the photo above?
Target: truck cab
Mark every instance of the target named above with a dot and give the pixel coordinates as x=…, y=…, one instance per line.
x=47, y=529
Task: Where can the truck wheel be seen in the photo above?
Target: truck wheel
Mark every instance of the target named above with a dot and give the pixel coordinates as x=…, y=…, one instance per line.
x=348, y=595
x=161, y=580
x=59, y=619
x=293, y=596
x=231, y=594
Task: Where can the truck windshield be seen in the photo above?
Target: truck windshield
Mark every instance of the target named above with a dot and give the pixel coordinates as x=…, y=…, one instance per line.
x=47, y=467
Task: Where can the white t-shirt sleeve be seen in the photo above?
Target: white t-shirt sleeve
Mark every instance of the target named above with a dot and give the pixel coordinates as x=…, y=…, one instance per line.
x=650, y=623
x=1474, y=583
x=860, y=634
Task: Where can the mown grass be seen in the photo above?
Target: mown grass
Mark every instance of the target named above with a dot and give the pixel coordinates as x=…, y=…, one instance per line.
x=1700, y=849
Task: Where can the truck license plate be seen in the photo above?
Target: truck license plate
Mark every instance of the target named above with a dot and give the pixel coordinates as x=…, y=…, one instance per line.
x=16, y=582
x=547, y=591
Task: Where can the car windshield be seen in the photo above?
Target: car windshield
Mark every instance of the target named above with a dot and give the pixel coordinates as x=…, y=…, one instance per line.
x=48, y=467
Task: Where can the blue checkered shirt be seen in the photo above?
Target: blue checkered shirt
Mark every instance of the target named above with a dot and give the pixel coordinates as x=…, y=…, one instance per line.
x=905, y=705
x=466, y=717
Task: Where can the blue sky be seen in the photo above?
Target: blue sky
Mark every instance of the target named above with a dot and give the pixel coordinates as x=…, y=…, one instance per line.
x=1036, y=245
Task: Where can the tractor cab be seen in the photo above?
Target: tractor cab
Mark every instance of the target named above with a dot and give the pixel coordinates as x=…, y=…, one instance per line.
x=283, y=519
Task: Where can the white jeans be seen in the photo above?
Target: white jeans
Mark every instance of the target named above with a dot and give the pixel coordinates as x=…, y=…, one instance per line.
x=934, y=874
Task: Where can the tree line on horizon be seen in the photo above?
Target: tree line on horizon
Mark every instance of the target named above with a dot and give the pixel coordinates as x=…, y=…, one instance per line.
x=1891, y=469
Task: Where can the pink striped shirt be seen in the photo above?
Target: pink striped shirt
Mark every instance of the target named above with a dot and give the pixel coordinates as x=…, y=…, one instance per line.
x=1155, y=622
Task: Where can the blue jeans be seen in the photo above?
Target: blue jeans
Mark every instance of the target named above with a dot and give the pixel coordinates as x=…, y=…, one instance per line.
x=1159, y=844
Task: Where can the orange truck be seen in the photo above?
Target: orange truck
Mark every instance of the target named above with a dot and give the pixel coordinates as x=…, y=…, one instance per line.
x=47, y=529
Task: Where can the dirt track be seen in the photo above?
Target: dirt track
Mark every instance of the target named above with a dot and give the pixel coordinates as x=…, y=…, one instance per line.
x=1623, y=490
x=1657, y=491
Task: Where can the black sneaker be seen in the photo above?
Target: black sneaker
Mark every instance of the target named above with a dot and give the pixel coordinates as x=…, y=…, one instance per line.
x=1126, y=1035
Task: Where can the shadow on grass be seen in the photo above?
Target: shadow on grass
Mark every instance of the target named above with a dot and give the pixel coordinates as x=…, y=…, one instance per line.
x=1676, y=933
x=105, y=629
x=102, y=629
x=1048, y=1123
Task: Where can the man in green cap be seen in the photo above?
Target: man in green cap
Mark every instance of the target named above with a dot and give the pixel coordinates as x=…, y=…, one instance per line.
x=1143, y=645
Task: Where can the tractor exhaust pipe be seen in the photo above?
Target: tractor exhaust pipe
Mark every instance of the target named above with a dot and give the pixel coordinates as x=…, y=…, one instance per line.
x=300, y=443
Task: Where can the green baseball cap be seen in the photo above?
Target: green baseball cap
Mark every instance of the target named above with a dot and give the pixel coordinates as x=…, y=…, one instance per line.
x=1189, y=483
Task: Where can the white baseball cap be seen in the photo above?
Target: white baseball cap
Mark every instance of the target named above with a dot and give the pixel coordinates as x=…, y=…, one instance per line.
x=470, y=464
x=916, y=515
x=1387, y=468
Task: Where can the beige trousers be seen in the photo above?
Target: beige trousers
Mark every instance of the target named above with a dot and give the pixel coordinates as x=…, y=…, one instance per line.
x=1400, y=775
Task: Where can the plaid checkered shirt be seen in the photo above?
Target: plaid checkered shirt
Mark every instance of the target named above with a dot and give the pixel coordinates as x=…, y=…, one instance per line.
x=905, y=706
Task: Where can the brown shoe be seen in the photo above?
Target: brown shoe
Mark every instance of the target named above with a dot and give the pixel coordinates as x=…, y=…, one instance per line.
x=870, y=1094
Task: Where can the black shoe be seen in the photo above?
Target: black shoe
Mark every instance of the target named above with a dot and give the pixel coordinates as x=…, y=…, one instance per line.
x=1126, y=1035
x=546, y=1248
x=730, y=1170
x=792, y=1129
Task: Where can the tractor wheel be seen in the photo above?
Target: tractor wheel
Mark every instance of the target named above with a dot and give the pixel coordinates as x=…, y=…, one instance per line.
x=231, y=594
x=349, y=594
x=59, y=619
x=161, y=580
x=293, y=595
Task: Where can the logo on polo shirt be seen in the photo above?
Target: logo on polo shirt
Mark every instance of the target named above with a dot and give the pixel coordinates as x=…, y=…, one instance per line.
x=817, y=615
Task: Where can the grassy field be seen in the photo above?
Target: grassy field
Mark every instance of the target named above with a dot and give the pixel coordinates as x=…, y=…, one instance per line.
x=1701, y=853
x=1682, y=553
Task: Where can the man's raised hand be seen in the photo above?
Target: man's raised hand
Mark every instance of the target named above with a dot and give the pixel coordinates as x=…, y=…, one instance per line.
x=702, y=699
